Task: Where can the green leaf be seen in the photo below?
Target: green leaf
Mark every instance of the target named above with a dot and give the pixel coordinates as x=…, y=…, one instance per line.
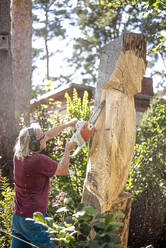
x=39, y=217
x=115, y=239
x=62, y=209
x=90, y=210
x=98, y=225
x=119, y=214
x=81, y=237
x=49, y=221
x=85, y=228
x=93, y=244
x=69, y=220
x=100, y=216
x=79, y=214
x=110, y=228
x=116, y=223
x=86, y=217
x=67, y=225
x=68, y=200
x=108, y=219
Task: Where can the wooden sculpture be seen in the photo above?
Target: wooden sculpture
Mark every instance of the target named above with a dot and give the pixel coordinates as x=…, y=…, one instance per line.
x=122, y=67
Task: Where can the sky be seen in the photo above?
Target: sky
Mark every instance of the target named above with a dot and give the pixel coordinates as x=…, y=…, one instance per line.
x=58, y=63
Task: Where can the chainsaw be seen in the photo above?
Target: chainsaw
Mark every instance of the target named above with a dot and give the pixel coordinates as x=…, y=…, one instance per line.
x=85, y=129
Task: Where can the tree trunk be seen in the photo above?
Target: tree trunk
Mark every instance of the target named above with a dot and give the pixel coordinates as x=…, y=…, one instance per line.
x=22, y=53
x=122, y=68
x=7, y=120
x=46, y=46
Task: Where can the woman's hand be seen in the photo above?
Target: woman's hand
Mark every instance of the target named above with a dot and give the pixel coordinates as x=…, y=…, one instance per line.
x=56, y=130
x=63, y=166
x=72, y=123
x=70, y=146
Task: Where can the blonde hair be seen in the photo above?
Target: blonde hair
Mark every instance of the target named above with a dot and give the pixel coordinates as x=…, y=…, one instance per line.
x=21, y=148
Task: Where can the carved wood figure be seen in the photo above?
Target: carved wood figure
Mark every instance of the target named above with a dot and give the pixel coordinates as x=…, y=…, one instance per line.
x=122, y=67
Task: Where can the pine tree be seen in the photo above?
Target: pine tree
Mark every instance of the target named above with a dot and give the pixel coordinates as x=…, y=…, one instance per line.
x=99, y=25
x=102, y=21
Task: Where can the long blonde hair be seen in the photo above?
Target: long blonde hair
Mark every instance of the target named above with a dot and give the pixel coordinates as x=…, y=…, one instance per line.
x=21, y=148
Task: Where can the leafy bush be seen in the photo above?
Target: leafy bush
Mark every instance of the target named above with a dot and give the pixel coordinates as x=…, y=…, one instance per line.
x=6, y=210
x=147, y=179
x=83, y=228
x=148, y=169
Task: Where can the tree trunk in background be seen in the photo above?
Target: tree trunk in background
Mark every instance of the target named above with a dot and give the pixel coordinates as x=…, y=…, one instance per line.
x=46, y=46
x=22, y=53
x=7, y=120
x=122, y=68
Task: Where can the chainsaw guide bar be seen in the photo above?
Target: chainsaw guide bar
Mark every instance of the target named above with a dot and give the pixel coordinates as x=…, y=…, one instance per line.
x=95, y=115
x=85, y=129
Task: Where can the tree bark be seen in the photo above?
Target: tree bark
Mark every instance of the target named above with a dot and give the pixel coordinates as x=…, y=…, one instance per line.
x=122, y=68
x=7, y=120
x=46, y=45
x=22, y=53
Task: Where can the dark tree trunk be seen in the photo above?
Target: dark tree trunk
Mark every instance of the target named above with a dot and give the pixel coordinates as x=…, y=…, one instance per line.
x=46, y=45
x=7, y=120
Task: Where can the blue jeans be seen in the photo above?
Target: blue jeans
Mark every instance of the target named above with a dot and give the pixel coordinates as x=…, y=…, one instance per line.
x=29, y=231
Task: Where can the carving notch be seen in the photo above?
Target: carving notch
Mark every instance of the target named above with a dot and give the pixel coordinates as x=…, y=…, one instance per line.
x=4, y=42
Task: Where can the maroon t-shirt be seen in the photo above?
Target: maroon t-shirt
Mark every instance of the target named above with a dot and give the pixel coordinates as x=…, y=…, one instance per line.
x=31, y=178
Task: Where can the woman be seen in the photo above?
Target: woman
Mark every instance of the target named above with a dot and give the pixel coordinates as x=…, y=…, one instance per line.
x=32, y=171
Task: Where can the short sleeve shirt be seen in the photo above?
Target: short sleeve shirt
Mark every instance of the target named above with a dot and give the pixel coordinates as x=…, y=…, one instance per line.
x=31, y=177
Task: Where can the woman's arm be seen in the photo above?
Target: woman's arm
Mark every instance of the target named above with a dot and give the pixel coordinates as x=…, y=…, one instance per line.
x=63, y=166
x=56, y=130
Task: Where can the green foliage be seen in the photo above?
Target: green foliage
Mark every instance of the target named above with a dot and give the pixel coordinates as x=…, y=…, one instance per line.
x=83, y=228
x=102, y=21
x=78, y=109
x=148, y=169
x=99, y=24
x=6, y=211
x=150, y=21
x=153, y=5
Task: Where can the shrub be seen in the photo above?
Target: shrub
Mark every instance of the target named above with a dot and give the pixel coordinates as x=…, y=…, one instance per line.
x=148, y=169
x=82, y=228
x=6, y=210
x=147, y=179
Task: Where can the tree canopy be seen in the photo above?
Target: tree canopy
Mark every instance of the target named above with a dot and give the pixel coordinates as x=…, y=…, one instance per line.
x=99, y=22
